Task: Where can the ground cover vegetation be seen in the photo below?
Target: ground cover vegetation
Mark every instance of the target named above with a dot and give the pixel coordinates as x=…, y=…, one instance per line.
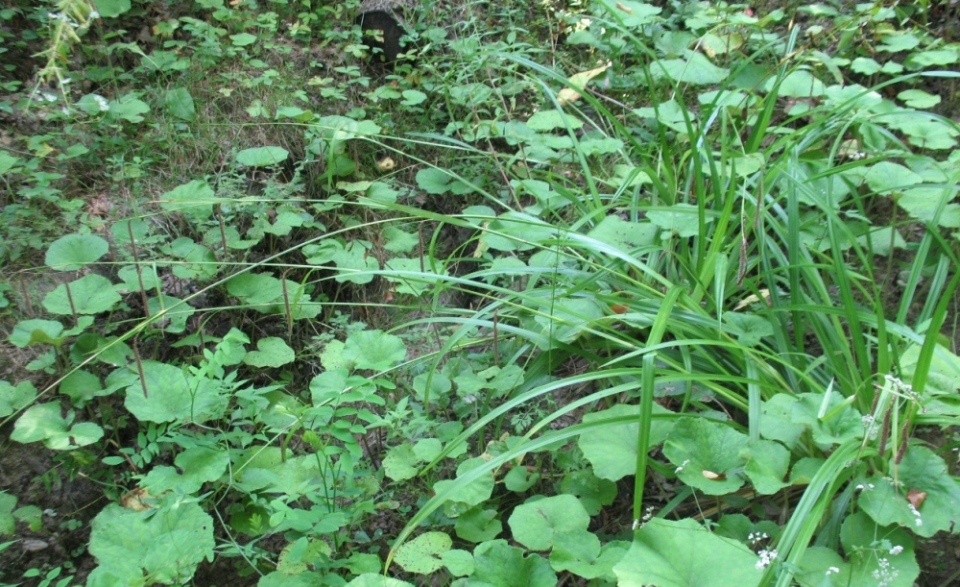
x=580, y=293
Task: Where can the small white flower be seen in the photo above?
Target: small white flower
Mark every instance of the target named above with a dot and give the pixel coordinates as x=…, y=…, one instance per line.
x=896, y=550
x=766, y=557
x=832, y=571
x=101, y=102
x=94, y=15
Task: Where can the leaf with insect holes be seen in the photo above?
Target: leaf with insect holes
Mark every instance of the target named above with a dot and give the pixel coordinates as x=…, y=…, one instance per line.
x=685, y=554
x=401, y=463
x=422, y=554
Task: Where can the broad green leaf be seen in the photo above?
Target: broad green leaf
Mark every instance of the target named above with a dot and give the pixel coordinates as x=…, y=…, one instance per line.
x=401, y=463
x=91, y=294
x=73, y=251
x=624, y=235
x=777, y=419
x=133, y=277
x=865, y=66
x=695, y=69
x=112, y=8
x=502, y=565
x=399, y=241
x=519, y=479
x=823, y=567
x=434, y=181
x=918, y=99
x=413, y=97
x=374, y=349
x=198, y=464
x=15, y=397
x=569, y=318
x=927, y=204
x=43, y=422
x=685, y=554
x=899, y=41
x=243, y=39
x=478, y=525
x=932, y=58
x=424, y=275
x=299, y=579
x=944, y=375
x=195, y=199
x=921, y=470
x=883, y=240
x=612, y=448
x=549, y=120
x=422, y=554
x=540, y=523
x=633, y=14
x=587, y=558
x=474, y=493
x=165, y=545
x=128, y=107
x=82, y=386
x=36, y=331
x=682, y=220
x=886, y=177
x=262, y=156
x=707, y=455
x=169, y=395
x=271, y=352
x=767, y=464
x=749, y=329
x=798, y=84
x=172, y=312
x=458, y=562
x=179, y=103
x=427, y=449
x=8, y=523
x=514, y=231
x=375, y=580
x=878, y=555
x=670, y=114
x=593, y=492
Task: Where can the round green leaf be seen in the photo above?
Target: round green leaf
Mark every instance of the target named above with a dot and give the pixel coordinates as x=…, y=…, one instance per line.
x=262, y=156
x=271, y=352
x=73, y=251
x=91, y=294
